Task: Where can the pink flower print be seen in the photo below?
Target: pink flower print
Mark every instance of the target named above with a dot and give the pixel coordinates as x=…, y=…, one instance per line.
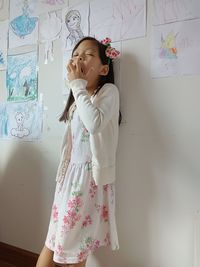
x=107, y=239
x=59, y=250
x=87, y=221
x=55, y=213
x=105, y=188
x=88, y=245
x=82, y=255
x=104, y=213
x=85, y=135
x=93, y=189
x=106, y=41
x=75, y=203
x=103, y=210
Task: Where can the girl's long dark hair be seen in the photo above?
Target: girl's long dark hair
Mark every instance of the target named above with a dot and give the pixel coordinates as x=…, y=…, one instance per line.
x=109, y=78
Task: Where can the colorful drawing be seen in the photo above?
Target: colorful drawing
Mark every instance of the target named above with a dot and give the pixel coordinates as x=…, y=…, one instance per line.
x=24, y=24
x=3, y=44
x=168, y=46
x=22, y=121
x=22, y=77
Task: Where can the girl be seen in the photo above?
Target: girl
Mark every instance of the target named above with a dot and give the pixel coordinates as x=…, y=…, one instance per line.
x=83, y=212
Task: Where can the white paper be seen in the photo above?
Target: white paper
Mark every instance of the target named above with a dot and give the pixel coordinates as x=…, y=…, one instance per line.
x=23, y=28
x=50, y=30
x=118, y=19
x=75, y=24
x=21, y=121
x=176, y=49
x=4, y=6
x=175, y=10
x=3, y=44
x=51, y=5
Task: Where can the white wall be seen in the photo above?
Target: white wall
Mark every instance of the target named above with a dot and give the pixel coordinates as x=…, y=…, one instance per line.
x=158, y=184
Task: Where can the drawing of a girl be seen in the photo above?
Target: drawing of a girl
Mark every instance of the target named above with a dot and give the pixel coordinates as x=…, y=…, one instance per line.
x=73, y=21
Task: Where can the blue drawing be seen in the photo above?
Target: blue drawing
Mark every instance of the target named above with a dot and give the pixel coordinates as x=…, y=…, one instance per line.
x=2, y=62
x=24, y=24
x=21, y=77
x=3, y=121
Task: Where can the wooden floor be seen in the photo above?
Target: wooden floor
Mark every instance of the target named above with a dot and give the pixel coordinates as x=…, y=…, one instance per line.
x=4, y=264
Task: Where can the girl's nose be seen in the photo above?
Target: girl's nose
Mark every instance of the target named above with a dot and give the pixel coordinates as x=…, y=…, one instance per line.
x=80, y=58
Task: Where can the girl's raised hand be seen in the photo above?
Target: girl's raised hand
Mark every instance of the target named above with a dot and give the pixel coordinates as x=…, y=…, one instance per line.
x=75, y=71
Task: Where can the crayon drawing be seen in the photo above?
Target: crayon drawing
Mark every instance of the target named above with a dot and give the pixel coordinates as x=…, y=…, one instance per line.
x=166, y=11
x=21, y=77
x=51, y=5
x=23, y=121
x=23, y=23
x=3, y=44
x=3, y=121
x=176, y=49
x=118, y=19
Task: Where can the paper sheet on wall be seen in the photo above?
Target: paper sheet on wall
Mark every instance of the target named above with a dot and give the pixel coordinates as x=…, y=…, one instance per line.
x=4, y=9
x=50, y=30
x=51, y=5
x=175, y=10
x=75, y=25
x=118, y=19
x=21, y=121
x=23, y=28
x=3, y=44
x=21, y=78
x=176, y=49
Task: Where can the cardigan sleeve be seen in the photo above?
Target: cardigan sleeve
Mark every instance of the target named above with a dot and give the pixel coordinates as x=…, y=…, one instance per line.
x=95, y=114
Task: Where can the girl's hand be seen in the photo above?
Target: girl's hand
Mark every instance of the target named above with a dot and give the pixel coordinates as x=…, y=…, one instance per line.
x=75, y=71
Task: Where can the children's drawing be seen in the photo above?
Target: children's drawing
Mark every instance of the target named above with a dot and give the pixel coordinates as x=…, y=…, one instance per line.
x=166, y=11
x=168, y=46
x=50, y=30
x=176, y=49
x=54, y=2
x=22, y=77
x=3, y=44
x=3, y=121
x=76, y=25
x=23, y=120
x=118, y=19
x=23, y=23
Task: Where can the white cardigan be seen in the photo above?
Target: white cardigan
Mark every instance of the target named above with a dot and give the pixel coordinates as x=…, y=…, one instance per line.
x=99, y=114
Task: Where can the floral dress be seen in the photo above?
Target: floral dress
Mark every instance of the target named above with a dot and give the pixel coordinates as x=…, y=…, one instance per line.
x=83, y=214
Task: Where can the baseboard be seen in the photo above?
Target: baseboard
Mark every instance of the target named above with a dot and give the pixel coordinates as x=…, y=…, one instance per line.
x=17, y=256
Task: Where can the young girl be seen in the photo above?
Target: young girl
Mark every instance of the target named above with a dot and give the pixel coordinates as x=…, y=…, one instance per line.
x=83, y=212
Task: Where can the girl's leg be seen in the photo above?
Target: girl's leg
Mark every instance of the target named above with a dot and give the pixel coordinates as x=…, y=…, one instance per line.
x=46, y=258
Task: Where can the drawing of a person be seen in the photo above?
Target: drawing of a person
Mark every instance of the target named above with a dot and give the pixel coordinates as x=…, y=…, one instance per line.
x=73, y=22
x=20, y=131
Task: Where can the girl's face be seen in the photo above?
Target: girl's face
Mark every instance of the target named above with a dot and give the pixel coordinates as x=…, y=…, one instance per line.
x=73, y=22
x=88, y=55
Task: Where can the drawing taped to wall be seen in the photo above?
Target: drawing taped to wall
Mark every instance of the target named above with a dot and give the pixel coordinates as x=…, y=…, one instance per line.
x=118, y=19
x=50, y=30
x=166, y=11
x=76, y=25
x=51, y=5
x=23, y=23
x=22, y=121
x=3, y=44
x=176, y=49
x=21, y=77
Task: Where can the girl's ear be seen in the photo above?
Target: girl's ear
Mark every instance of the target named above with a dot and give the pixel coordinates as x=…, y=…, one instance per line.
x=104, y=70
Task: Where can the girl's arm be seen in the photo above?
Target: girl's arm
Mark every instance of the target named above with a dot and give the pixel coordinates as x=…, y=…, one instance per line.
x=95, y=116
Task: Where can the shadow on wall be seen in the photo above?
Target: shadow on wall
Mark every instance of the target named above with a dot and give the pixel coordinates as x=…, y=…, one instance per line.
x=21, y=197
x=140, y=144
